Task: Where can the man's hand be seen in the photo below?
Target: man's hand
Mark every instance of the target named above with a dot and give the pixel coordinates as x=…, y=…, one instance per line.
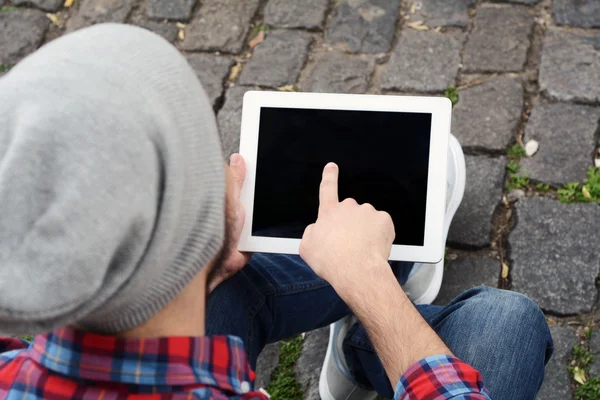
x=348, y=240
x=349, y=246
x=233, y=260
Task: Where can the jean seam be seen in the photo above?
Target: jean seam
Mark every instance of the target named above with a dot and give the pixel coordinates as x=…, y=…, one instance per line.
x=301, y=287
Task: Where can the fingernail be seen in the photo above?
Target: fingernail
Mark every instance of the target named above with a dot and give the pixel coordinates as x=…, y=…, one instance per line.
x=235, y=159
x=330, y=165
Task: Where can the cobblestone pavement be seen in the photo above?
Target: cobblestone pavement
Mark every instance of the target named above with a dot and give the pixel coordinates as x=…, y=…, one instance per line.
x=524, y=69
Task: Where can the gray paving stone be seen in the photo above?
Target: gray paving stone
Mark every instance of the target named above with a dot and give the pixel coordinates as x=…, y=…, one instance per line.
x=177, y=10
x=220, y=25
x=436, y=13
x=465, y=273
x=308, y=366
x=499, y=40
x=487, y=115
x=99, y=11
x=169, y=32
x=21, y=33
x=278, y=60
x=527, y=2
x=556, y=384
x=266, y=363
x=566, y=136
x=570, y=67
x=46, y=5
x=336, y=72
x=230, y=119
x=211, y=71
x=582, y=13
x=423, y=61
x=296, y=14
x=364, y=26
x=554, y=253
x=472, y=223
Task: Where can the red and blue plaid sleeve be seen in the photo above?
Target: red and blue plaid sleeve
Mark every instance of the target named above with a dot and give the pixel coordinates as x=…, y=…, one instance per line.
x=439, y=378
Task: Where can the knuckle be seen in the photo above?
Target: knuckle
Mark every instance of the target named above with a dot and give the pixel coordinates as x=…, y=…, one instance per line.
x=368, y=206
x=349, y=202
x=385, y=216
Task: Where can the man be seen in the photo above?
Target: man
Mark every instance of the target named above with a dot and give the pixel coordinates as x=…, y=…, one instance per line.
x=116, y=222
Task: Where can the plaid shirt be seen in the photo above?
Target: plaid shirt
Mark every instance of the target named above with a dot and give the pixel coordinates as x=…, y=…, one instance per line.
x=70, y=364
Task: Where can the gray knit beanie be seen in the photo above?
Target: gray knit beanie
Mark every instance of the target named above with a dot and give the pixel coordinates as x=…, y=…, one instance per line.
x=112, y=182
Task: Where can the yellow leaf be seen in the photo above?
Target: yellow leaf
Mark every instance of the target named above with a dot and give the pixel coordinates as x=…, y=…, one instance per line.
x=504, y=271
x=585, y=191
x=579, y=375
x=417, y=26
x=181, y=33
x=53, y=18
x=235, y=72
x=257, y=39
x=288, y=88
x=69, y=3
x=413, y=8
x=438, y=29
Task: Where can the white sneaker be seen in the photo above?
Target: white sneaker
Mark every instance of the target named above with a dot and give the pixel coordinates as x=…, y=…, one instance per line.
x=425, y=280
x=422, y=286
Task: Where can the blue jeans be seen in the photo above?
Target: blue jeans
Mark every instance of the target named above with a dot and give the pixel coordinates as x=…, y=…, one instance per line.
x=503, y=334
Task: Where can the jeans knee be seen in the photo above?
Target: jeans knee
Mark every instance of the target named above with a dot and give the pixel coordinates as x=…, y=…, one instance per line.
x=510, y=308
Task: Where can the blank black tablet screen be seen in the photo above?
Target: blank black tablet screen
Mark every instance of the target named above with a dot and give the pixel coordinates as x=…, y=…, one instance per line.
x=383, y=159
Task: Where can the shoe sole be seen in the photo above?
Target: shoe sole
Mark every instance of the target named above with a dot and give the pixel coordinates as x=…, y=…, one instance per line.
x=458, y=159
x=324, y=391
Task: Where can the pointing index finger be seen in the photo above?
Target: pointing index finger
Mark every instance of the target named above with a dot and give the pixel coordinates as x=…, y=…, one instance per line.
x=328, y=192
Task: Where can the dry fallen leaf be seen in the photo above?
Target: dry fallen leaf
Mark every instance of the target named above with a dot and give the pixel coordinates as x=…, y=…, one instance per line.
x=579, y=375
x=53, y=18
x=504, y=271
x=551, y=321
x=181, y=33
x=585, y=191
x=235, y=72
x=69, y=3
x=418, y=25
x=257, y=39
x=288, y=88
x=438, y=29
x=413, y=8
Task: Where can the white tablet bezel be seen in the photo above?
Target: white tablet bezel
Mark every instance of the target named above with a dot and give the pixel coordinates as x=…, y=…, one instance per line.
x=440, y=109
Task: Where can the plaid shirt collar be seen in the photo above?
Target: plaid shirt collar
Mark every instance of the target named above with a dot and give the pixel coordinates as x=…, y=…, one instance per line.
x=218, y=361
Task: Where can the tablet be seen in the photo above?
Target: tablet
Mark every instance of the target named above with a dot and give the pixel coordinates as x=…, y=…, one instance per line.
x=391, y=152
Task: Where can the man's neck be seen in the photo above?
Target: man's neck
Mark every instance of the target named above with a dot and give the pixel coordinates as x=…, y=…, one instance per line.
x=183, y=316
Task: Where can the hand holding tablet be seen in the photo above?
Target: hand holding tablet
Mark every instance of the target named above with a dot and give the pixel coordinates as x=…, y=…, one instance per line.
x=391, y=152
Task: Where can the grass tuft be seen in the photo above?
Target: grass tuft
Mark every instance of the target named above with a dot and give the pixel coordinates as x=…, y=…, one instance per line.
x=284, y=385
x=452, y=94
x=8, y=9
x=259, y=28
x=588, y=192
x=515, y=181
x=542, y=187
x=516, y=152
x=590, y=390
